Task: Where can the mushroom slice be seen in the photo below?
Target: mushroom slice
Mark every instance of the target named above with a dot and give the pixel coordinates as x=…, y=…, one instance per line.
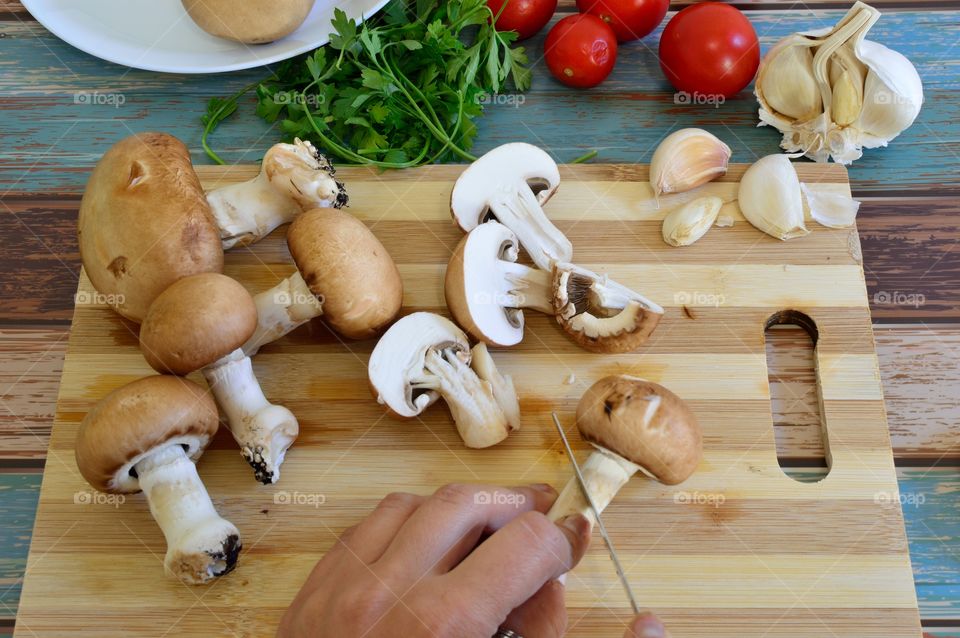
x=251, y=21
x=486, y=290
x=635, y=425
x=424, y=357
x=293, y=178
x=602, y=315
x=510, y=184
x=199, y=323
x=343, y=273
x=147, y=435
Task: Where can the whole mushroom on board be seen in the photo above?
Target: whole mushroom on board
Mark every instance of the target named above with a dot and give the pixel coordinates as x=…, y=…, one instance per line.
x=510, y=184
x=146, y=436
x=145, y=220
x=635, y=425
x=343, y=273
x=424, y=357
x=200, y=323
x=251, y=21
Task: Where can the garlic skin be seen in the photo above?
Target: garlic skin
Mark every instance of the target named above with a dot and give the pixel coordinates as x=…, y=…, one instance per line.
x=868, y=94
x=770, y=197
x=833, y=210
x=686, y=159
x=690, y=222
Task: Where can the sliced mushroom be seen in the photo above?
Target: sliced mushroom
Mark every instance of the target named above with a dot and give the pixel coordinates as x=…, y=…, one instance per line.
x=486, y=290
x=293, y=178
x=145, y=221
x=199, y=323
x=602, y=315
x=635, y=425
x=147, y=435
x=510, y=184
x=251, y=21
x=343, y=273
x=424, y=357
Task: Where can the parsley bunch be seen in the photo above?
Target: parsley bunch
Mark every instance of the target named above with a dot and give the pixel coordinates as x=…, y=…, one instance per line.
x=400, y=90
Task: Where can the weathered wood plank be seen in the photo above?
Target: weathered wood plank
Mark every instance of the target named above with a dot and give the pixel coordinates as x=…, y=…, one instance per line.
x=18, y=503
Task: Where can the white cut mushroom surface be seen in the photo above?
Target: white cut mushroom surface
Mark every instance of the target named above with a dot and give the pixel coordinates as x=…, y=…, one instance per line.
x=424, y=357
x=200, y=323
x=510, y=184
x=147, y=435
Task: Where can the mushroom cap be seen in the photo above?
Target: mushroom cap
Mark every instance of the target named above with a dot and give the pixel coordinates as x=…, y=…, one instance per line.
x=144, y=222
x=475, y=286
x=504, y=168
x=644, y=423
x=347, y=267
x=134, y=420
x=579, y=295
x=398, y=360
x=251, y=21
x=196, y=321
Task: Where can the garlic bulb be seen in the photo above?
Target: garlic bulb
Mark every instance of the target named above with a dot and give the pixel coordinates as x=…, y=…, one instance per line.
x=686, y=159
x=690, y=222
x=770, y=197
x=832, y=92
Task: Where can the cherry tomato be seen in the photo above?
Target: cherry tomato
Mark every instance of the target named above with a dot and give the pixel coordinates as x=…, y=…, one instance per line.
x=581, y=50
x=709, y=48
x=630, y=19
x=526, y=17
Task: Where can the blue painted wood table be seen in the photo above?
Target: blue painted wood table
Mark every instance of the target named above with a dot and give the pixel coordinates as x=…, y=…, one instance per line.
x=908, y=224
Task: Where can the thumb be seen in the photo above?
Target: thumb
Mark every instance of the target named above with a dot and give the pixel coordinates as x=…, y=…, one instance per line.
x=646, y=625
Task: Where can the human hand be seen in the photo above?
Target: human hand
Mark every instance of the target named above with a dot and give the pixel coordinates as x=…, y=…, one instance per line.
x=414, y=568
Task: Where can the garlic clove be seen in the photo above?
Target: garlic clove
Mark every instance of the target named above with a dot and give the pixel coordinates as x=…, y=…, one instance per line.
x=770, y=197
x=833, y=210
x=893, y=94
x=686, y=159
x=847, y=77
x=786, y=80
x=690, y=222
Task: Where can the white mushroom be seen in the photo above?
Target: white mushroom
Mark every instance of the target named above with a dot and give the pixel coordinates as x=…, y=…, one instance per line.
x=599, y=314
x=199, y=323
x=293, y=178
x=424, y=357
x=486, y=290
x=510, y=184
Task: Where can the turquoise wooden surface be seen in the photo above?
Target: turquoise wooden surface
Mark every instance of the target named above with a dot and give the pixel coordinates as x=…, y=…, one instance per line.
x=52, y=135
x=41, y=112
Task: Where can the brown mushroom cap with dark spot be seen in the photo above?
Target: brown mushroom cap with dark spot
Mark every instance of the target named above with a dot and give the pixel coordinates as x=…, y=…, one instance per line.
x=644, y=423
x=347, y=267
x=144, y=222
x=133, y=420
x=195, y=322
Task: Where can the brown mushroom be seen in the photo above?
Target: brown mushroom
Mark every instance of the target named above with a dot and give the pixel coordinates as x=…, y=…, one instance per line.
x=250, y=21
x=147, y=435
x=343, y=273
x=145, y=221
x=635, y=425
x=199, y=323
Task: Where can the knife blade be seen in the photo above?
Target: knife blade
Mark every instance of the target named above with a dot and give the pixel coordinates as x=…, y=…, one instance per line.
x=596, y=513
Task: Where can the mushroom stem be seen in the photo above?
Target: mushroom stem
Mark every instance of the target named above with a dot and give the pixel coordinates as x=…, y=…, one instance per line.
x=479, y=417
x=293, y=178
x=281, y=310
x=527, y=287
x=200, y=544
x=519, y=210
x=502, y=385
x=604, y=473
x=263, y=430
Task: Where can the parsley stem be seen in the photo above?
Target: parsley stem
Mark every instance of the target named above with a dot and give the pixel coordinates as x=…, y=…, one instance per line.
x=222, y=112
x=586, y=156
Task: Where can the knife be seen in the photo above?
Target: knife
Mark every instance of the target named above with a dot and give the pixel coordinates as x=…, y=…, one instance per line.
x=596, y=513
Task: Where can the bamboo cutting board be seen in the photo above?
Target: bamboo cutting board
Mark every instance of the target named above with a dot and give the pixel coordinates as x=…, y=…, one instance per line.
x=739, y=550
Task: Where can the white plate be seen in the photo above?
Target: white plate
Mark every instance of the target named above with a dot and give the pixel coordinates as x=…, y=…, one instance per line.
x=158, y=35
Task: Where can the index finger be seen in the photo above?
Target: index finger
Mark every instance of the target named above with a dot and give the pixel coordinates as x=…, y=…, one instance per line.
x=515, y=562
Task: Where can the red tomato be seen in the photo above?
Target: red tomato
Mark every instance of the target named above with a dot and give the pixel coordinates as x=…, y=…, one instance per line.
x=581, y=50
x=526, y=17
x=709, y=48
x=630, y=19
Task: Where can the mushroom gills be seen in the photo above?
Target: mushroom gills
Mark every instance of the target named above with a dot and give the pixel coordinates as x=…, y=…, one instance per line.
x=604, y=473
x=282, y=309
x=293, y=178
x=263, y=430
x=201, y=545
